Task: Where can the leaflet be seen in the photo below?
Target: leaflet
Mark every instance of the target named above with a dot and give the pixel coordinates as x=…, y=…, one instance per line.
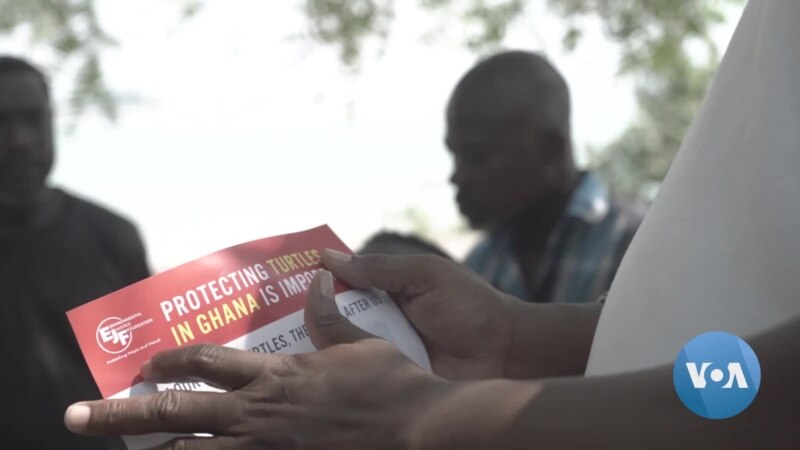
x=249, y=297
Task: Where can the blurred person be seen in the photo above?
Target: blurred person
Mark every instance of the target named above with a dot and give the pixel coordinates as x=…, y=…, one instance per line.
x=57, y=252
x=553, y=232
x=400, y=244
x=717, y=251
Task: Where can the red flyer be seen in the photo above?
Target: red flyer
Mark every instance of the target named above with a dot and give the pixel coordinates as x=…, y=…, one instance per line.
x=249, y=297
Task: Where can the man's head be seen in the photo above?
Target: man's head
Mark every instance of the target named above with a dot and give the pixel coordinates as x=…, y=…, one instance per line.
x=26, y=133
x=508, y=129
x=401, y=244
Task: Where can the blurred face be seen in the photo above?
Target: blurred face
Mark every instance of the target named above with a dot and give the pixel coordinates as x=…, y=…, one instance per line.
x=498, y=173
x=26, y=144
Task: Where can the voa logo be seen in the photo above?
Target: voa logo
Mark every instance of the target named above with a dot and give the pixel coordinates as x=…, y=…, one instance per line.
x=735, y=374
x=113, y=335
x=717, y=375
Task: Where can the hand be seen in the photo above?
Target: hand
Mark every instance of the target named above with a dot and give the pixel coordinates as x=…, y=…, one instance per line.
x=465, y=323
x=357, y=392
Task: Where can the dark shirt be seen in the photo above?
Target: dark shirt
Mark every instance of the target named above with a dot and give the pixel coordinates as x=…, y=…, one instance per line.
x=582, y=254
x=76, y=253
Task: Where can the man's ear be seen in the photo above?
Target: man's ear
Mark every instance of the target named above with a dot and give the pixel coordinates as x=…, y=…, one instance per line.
x=553, y=146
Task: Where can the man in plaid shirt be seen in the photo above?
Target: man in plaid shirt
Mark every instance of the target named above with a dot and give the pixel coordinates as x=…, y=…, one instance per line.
x=554, y=232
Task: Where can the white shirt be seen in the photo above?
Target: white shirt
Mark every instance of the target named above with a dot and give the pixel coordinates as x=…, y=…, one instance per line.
x=720, y=247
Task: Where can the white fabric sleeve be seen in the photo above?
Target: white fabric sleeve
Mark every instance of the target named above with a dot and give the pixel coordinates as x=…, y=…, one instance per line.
x=720, y=247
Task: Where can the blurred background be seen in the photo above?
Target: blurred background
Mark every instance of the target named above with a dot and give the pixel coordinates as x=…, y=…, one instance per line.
x=210, y=122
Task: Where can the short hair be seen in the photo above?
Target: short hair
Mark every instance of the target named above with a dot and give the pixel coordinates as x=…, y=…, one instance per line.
x=400, y=244
x=10, y=64
x=516, y=89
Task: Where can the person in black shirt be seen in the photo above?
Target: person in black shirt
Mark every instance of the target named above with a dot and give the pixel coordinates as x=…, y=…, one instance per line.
x=56, y=253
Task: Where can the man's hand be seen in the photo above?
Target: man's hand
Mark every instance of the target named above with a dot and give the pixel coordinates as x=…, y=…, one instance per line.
x=357, y=392
x=465, y=323
x=470, y=329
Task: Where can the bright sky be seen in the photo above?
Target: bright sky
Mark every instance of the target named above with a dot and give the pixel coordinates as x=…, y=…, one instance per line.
x=241, y=129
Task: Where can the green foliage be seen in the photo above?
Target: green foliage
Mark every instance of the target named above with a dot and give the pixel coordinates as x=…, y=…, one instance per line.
x=494, y=20
x=656, y=39
x=665, y=46
x=90, y=89
x=347, y=24
x=636, y=162
x=72, y=31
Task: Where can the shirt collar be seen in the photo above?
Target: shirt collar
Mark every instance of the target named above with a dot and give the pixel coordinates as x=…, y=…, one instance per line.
x=590, y=201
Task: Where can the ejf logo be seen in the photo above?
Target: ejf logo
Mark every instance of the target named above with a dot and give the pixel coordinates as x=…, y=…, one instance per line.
x=113, y=336
x=716, y=375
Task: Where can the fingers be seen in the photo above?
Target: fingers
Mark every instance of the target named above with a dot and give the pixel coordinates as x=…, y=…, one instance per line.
x=408, y=275
x=326, y=325
x=168, y=411
x=221, y=366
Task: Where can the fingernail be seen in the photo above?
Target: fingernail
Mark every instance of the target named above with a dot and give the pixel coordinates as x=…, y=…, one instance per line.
x=77, y=417
x=337, y=255
x=326, y=285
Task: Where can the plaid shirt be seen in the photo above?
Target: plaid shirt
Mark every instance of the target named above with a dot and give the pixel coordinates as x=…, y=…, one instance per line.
x=582, y=253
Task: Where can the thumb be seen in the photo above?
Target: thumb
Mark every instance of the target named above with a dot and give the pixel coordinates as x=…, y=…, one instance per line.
x=407, y=275
x=326, y=325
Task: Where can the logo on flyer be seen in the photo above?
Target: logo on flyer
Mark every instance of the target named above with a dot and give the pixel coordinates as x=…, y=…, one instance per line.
x=114, y=335
x=716, y=375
